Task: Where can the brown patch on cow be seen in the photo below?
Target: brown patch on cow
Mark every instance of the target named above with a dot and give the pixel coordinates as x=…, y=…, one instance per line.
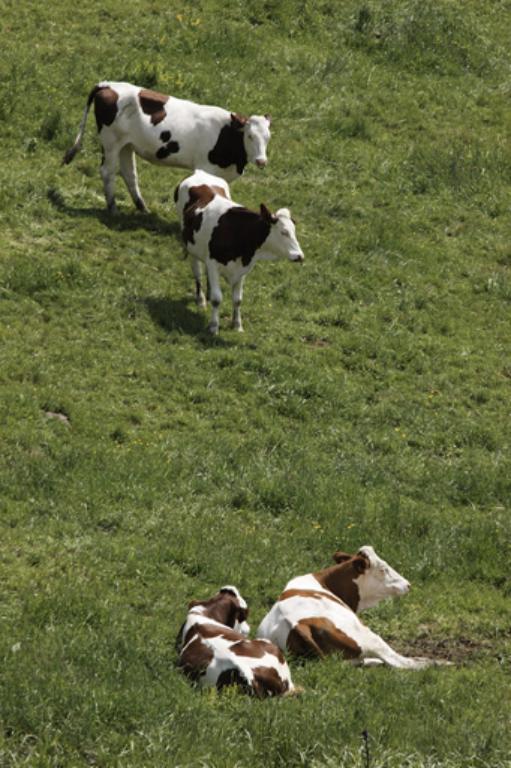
x=318, y=636
x=268, y=682
x=253, y=649
x=170, y=148
x=232, y=677
x=256, y=649
x=198, y=197
x=105, y=105
x=153, y=104
x=238, y=235
x=289, y=593
x=229, y=148
x=211, y=630
x=195, y=659
x=341, y=579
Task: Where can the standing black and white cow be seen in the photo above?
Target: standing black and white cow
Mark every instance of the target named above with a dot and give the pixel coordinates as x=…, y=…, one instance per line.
x=214, y=649
x=229, y=239
x=168, y=131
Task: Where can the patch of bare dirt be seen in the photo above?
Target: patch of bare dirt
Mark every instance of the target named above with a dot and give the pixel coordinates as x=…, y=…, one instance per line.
x=315, y=341
x=459, y=650
x=58, y=416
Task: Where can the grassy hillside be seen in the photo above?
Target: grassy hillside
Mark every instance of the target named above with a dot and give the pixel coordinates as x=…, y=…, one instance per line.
x=144, y=464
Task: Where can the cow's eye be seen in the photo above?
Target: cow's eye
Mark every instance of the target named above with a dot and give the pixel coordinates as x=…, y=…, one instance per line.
x=286, y=233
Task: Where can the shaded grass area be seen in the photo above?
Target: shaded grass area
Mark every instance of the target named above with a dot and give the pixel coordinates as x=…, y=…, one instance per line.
x=144, y=464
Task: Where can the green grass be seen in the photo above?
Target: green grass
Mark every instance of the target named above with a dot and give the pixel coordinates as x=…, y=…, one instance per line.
x=367, y=401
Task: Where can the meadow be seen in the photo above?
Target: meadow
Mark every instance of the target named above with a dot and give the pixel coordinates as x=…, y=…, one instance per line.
x=144, y=464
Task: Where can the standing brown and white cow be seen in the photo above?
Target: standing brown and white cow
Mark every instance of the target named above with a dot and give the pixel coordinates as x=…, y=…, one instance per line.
x=229, y=239
x=215, y=651
x=317, y=613
x=168, y=131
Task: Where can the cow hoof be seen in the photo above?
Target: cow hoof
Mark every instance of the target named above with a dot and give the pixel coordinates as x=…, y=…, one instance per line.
x=238, y=328
x=297, y=690
x=113, y=210
x=141, y=206
x=201, y=302
x=421, y=662
x=213, y=329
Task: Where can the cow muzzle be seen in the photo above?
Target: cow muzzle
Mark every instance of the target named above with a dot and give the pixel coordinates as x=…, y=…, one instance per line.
x=243, y=628
x=402, y=588
x=297, y=258
x=261, y=162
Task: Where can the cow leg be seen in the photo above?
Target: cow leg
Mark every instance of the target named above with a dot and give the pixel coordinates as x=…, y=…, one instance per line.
x=268, y=682
x=237, y=296
x=300, y=641
x=374, y=648
x=130, y=176
x=215, y=295
x=200, y=299
x=108, y=170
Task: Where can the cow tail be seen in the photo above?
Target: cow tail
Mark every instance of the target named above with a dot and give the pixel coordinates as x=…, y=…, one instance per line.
x=71, y=152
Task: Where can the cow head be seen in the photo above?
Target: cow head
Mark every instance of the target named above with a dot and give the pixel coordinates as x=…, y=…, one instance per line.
x=376, y=580
x=282, y=241
x=227, y=607
x=256, y=135
x=239, y=610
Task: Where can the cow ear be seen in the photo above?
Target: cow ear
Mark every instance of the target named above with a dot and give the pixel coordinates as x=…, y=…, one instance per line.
x=341, y=557
x=193, y=603
x=266, y=214
x=268, y=117
x=238, y=121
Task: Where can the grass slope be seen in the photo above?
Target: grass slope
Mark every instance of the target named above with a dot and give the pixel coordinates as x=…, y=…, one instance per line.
x=367, y=401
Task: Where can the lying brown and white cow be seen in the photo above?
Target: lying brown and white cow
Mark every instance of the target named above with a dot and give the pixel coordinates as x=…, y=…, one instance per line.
x=229, y=239
x=214, y=649
x=168, y=131
x=317, y=613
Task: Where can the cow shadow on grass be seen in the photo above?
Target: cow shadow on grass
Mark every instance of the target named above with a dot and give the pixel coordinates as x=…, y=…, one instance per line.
x=182, y=316
x=123, y=221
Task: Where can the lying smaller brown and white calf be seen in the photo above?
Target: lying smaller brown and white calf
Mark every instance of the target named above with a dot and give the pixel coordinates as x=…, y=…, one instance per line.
x=317, y=613
x=215, y=651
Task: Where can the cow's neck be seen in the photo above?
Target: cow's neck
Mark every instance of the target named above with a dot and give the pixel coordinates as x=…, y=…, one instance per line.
x=263, y=254
x=229, y=149
x=340, y=580
x=239, y=234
